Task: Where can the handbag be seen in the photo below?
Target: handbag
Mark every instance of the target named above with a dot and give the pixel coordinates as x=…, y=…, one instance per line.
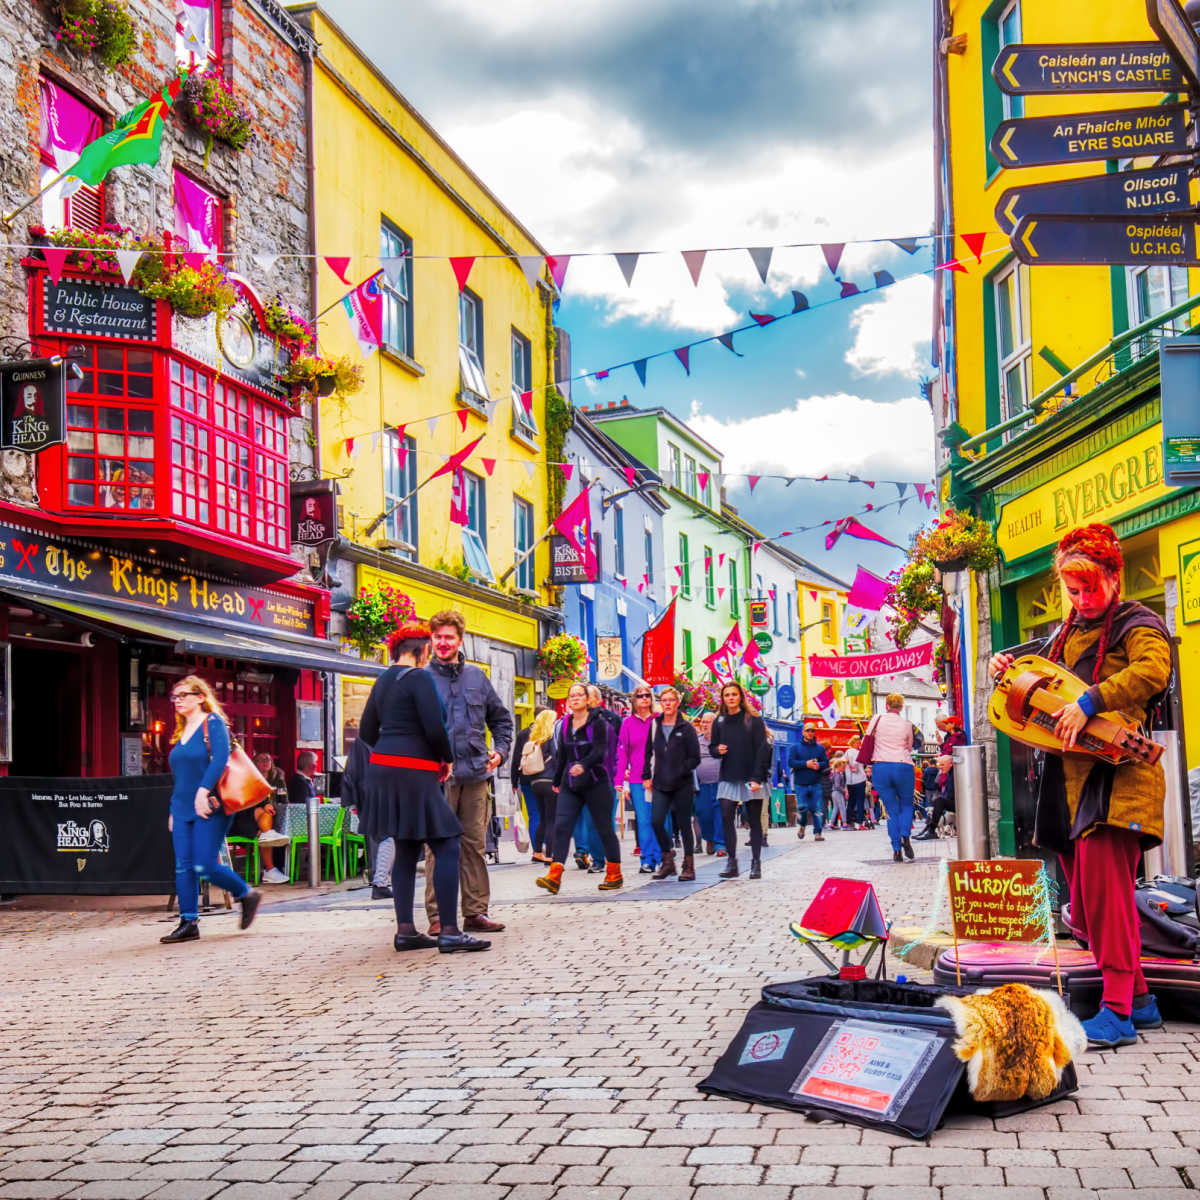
x=520, y=831
x=241, y=784
x=866, y=751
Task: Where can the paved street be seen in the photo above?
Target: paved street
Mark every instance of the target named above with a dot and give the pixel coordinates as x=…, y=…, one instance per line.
x=306, y=1058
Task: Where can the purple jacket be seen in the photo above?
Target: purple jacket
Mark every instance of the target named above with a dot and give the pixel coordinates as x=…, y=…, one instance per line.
x=631, y=749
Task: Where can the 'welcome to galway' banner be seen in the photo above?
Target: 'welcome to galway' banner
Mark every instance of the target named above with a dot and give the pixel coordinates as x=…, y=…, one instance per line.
x=862, y=666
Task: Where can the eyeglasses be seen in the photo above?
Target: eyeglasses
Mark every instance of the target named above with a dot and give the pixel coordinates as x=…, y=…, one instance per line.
x=643, y=696
x=180, y=695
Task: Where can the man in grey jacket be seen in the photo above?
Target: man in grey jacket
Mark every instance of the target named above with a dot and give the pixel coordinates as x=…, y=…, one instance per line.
x=472, y=709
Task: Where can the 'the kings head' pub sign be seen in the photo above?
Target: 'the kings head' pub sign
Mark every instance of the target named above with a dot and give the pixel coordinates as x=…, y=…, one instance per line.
x=33, y=400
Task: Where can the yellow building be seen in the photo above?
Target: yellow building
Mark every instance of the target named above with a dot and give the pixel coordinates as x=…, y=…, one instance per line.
x=454, y=365
x=1049, y=406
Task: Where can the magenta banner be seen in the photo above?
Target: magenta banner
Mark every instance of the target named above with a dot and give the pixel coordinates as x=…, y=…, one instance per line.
x=863, y=666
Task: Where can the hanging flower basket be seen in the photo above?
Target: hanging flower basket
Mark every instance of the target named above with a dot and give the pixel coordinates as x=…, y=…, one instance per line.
x=323, y=376
x=957, y=542
x=562, y=657
x=208, y=103
x=102, y=28
x=374, y=613
x=286, y=324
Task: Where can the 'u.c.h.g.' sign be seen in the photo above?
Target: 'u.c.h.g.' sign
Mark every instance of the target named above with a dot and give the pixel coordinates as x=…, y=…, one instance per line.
x=865, y=666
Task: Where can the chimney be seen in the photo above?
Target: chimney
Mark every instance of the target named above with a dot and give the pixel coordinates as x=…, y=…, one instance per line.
x=612, y=404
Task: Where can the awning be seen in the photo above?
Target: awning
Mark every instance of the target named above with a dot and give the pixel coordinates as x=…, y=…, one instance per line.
x=195, y=637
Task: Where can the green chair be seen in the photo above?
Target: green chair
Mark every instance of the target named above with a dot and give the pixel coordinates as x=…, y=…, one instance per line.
x=251, y=866
x=356, y=846
x=330, y=818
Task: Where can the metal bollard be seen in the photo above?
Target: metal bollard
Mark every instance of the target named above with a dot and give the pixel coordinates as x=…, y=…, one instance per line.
x=970, y=803
x=1171, y=858
x=314, y=842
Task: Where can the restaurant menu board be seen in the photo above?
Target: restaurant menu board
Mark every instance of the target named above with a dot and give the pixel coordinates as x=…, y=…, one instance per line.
x=866, y=1067
x=997, y=901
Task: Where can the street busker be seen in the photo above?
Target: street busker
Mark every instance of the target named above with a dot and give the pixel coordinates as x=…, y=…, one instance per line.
x=582, y=780
x=198, y=824
x=401, y=794
x=739, y=740
x=630, y=772
x=672, y=756
x=809, y=763
x=1100, y=817
x=892, y=774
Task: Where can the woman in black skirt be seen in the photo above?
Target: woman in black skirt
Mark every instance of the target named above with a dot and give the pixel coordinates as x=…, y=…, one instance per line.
x=739, y=740
x=402, y=795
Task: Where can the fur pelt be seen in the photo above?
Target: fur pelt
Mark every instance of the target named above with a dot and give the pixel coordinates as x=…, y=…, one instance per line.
x=1014, y=1040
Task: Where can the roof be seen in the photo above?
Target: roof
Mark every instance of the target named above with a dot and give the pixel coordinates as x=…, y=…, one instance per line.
x=627, y=410
x=614, y=455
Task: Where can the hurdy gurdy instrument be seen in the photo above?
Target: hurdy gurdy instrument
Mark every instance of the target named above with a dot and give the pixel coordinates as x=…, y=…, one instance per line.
x=1026, y=703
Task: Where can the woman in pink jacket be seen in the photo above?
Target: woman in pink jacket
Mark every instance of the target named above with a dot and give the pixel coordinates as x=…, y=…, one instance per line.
x=631, y=760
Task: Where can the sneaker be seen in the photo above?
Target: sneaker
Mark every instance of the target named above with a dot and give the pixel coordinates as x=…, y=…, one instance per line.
x=1106, y=1030
x=381, y=892
x=274, y=875
x=1146, y=1017
x=272, y=837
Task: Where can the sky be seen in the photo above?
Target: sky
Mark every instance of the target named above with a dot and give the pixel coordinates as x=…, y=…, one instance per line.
x=659, y=126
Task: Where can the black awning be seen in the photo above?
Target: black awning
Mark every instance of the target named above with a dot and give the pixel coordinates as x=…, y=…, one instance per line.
x=194, y=637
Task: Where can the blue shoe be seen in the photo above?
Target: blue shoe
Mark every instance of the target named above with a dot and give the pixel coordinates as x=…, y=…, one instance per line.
x=1106, y=1030
x=1147, y=1017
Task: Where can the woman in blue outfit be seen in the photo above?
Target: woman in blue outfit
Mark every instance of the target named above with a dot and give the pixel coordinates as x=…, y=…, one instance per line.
x=198, y=825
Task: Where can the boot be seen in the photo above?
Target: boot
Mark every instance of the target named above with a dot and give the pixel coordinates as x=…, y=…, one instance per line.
x=612, y=878
x=755, y=869
x=689, y=870
x=185, y=931
x=731, y=869
x=668, y=866
x=552, y=880
x=906, y=846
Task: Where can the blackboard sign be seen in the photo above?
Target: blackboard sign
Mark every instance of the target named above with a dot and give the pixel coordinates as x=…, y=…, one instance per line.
x=33, y=404
x=95, y=837
x=98, y=310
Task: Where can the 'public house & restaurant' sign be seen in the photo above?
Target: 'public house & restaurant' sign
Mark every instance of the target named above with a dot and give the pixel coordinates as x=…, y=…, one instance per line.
x=98, y=310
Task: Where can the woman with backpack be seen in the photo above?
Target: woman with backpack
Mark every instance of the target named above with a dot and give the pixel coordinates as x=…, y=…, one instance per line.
x=533, y=773
x=739, y=740
x=672, y=755
x=582, y=781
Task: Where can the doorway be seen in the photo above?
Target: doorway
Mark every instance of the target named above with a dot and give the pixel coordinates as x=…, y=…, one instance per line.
x=48, y=729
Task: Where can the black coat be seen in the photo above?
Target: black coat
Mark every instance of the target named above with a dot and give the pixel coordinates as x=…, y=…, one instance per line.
x=587, y=746
x=671, y=758
x=747, y=758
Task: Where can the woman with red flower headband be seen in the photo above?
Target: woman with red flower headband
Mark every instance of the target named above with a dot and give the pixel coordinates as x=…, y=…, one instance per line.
x=1100, y=817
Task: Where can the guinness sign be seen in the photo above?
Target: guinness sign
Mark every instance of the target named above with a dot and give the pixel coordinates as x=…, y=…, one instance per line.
x=33, y=404
x=314, y=513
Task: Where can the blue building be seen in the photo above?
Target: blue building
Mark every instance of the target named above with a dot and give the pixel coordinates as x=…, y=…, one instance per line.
x=611, y=614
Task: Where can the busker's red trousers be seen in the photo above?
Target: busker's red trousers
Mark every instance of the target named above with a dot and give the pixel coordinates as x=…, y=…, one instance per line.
x=1101, y=868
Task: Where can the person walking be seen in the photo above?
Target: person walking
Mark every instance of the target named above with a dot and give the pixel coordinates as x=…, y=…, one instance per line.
x=472, y=710
x=533, y=773
x=401, y=793
x=631, y=770
x=708, y=774
x=672, y=756
x=856, y=785
x=892, y=774
x=739, y=740
x=808, y=762
x=837, y=786
x=582, y=781
x=198, y=824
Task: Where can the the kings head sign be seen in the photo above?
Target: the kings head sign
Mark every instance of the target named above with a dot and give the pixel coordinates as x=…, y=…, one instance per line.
x=32, y=404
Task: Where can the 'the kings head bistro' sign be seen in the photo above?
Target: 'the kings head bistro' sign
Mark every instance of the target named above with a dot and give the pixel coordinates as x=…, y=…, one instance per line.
x=314, y=515
x=33, y=400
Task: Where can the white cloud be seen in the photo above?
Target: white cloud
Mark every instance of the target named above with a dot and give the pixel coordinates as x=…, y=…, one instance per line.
x=836, y=435
x=892, y=336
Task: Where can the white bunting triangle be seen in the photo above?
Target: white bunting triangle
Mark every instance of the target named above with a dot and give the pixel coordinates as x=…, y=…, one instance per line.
x=532, y=265
x=393, y=266
x=529, y=466
x=431, y=424
x=127, y=260
x=265, y=262
x=374, y=441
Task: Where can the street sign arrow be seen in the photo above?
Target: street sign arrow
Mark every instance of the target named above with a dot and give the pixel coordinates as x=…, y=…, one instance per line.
x=1045, y=240
x=1081, y=137
x=1030, y=69
x=1175, y=32
x=1127, y=193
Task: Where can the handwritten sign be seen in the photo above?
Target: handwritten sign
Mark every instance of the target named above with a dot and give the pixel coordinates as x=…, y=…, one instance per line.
x=864, y=666
x=996, y=901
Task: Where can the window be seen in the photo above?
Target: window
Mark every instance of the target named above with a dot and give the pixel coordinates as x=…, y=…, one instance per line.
x=710, y=583
x=689, y=476
x=712, y=649
x=197, y=216
x=65, y=126
x=476, y=496
x=733, y=588
x=1009, y=28
x=197, y=33
x=775, y=612
x=687, y=652
x=685, y=575
x=706, y=491
x=1152, y=290
x=791, y=617
x=399, y=482
x=396, y=310
x=673, y=455
x=524, y=422
x=1014, y=346
x=828, y=621
x=618, y=541
x=470, y=348
x=648, y=550
x=522, y=542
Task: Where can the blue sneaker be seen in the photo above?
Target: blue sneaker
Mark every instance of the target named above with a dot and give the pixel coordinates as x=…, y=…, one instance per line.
x=1106, y=1030
x=1146, y=1017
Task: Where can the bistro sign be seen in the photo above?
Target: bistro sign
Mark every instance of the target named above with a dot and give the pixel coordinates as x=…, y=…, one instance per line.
x=27, y=557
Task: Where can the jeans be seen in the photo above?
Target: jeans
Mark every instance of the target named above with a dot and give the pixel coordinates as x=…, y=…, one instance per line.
x=647, y=842
x=198, y=842
x=857, y=803
x=532, y=813
x=809, y=800
x=598, y=801
x=469, y=803
x=894, y=782
x=708, y=813
x=678, y=802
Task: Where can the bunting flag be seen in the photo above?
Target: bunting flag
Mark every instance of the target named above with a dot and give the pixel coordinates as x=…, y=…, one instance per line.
x=708, y=562
x=855, y=528
x=726, y=340
x=752, y=658
x=431, y=423
x=575, y=524
x=826, y=704
x=919, y=488
x=702, y=478
x=402, y=453
x=658, y=648
x=489, y=465
x=694, y=259
x=761, y=257
x=393, y=268
x=908, y=245
x=126, y=261
x=463, y=417
x=56, y=258
x=722, y=662
x=721, y=593
x=456, y=459
x=799, y=302
x=721, y=559
x=630, y=474
x=339, y=265
x=848, y=289
x=566, y=469
x=640, y=367
x=351, y=448
x=762, y=318
x=974, y=243
x=529, y=467
x=884, y=279
x=628, y=264
x=833, y=255
x=531, y=265
x=461, y=266
x=683, y=354
x=674, y=589
x=558, y=268
x=952, y=265
x=900, y=487
x=753, y=481
x=264, y=262
x=364, y=308
x=458, y=499
x=868, y=591
x=527, y=403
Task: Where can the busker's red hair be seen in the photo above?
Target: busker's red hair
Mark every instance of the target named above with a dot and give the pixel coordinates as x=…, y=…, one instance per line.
x=410, y=631
x=1089, y=553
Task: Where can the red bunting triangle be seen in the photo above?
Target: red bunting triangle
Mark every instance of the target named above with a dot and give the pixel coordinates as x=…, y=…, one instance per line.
x=703, y=478
x=56, y=257
x=527, y=402
x=558, y=268
x=683, y=354
x=833, y=255
x=952, y=265
x=674, y=589
x=463, y=418
x=753, y=480
x=402, y=455
x=679, y=570
x=762, y=318
x=489, y=465
x=566, y=469
x=695, y=263
x=630, y=475
x=974, y=243
x=462, y=269
x=812, y=593
x=339, y=265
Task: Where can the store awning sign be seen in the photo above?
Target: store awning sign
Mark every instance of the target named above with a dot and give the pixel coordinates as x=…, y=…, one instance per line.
x=33, y=404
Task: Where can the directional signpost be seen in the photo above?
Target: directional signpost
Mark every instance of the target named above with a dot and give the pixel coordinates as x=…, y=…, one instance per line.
x=1133, y=193
x=1059, y=240
x=1029, y=69
x=1080, y=137
x=1175, y=32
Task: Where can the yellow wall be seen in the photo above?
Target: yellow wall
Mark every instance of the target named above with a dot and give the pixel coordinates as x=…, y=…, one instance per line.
x=814, y=641
x=365, y=173
x=1170, y=538
x=1072, y=307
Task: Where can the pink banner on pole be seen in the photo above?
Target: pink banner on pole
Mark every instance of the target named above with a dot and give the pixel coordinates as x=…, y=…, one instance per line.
x=364, y=308
x=866, y=666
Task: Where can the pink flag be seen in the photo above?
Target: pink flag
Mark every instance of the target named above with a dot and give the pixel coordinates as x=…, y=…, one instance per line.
x=752, y=657
x=762, y=318
x=402, y=454
x=463, y=418
x=722, y=662
x=456, y=459
x=721, y=559
x=826, y=705
x=702, y=478
x=833, y=255
x=458, y=499
x=694, y=259
x=566, y=469
x=558, y=268
x=855, y=528
x=753, y=481
x=462, y=269
x=337, y=264
x=527, y=403
x=364, y=308
x=575, y=524
x=489, y=465
x=630, y=474
x=55, y=257
x=868, y=591
x=721, y=593
x=683, y=354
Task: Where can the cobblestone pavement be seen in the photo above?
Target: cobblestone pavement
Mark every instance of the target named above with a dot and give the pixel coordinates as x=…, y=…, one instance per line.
x=306, y=1058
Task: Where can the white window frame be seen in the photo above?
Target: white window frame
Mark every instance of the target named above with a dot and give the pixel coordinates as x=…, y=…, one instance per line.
x=397, y=301
x=474, y=391
x=521, y=353
x=648, y=548
x=475, y=500
x=399, y=483
x=674, y=454
x=1021, y=356
x=1176, y=279
x=1012, y=106
x=618, y=541
x=689, y=476
x=522, y=542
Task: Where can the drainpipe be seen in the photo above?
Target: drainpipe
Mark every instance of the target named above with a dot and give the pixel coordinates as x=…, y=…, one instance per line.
x=310, y=178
